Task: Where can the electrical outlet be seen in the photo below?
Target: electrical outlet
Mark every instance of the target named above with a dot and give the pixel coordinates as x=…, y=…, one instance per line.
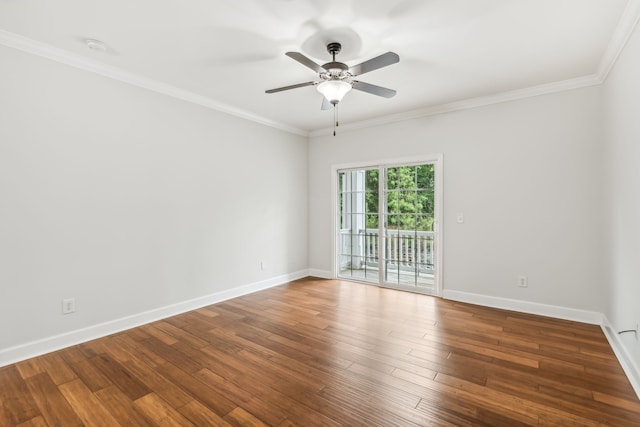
x=523, y=281
x=68, y=306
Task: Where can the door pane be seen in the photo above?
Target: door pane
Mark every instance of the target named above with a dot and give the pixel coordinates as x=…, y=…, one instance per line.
x=358, y=233
x=409, y=237
x=425, y=177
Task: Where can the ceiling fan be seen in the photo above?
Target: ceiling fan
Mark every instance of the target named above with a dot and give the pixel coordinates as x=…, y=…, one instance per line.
x=336, y=78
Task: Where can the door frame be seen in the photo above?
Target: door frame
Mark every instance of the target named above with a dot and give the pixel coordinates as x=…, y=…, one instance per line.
x=437, y=160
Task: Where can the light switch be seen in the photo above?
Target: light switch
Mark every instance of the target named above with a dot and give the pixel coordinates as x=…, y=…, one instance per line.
x=460, y=218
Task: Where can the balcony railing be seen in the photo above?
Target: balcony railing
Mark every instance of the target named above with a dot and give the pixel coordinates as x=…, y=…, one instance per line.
x=404, y=249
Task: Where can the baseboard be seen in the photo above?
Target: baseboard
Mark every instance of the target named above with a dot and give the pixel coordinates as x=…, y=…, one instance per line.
x=322, y=274
x=57, y=342
x=584, y=316
x=628, y=364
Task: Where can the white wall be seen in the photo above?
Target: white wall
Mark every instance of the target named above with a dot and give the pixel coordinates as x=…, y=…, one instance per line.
x=128, y=200
x=527, y=175
x=622, y=201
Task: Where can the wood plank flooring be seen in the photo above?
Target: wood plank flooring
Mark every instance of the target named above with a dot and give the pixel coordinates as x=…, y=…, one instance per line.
x=329, y=353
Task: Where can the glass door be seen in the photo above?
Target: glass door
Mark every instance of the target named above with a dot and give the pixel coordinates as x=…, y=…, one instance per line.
x=409, y=219
x=387, y=226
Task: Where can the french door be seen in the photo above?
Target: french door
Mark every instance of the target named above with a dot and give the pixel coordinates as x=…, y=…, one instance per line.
x=387, y=225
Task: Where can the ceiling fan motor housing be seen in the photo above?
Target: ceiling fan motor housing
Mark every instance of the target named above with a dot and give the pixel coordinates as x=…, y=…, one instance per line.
x=335, y=71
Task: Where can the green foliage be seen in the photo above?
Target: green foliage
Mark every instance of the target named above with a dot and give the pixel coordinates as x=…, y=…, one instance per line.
x=371, y=196
x=410, y=197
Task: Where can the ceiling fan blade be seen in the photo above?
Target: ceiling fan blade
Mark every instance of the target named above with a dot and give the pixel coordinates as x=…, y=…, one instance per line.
x=305, y=61
x=373, y=89
x=375, y=63
x=280, y=89
x=326, y=105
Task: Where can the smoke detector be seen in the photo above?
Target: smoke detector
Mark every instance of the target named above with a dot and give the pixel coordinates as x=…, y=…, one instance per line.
x=97, y=45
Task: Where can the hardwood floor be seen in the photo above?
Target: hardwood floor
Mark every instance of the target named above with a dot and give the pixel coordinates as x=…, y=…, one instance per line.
x=329, y=353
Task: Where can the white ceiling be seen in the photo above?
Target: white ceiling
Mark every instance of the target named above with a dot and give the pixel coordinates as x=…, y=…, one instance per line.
x=228, y=52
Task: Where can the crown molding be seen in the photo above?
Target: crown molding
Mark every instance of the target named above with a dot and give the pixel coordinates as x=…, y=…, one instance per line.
x=544, y=89
x=53, y=53
x=626, y=25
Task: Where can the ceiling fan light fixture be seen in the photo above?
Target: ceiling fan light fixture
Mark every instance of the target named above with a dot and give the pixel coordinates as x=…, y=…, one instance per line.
x=334, y=90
